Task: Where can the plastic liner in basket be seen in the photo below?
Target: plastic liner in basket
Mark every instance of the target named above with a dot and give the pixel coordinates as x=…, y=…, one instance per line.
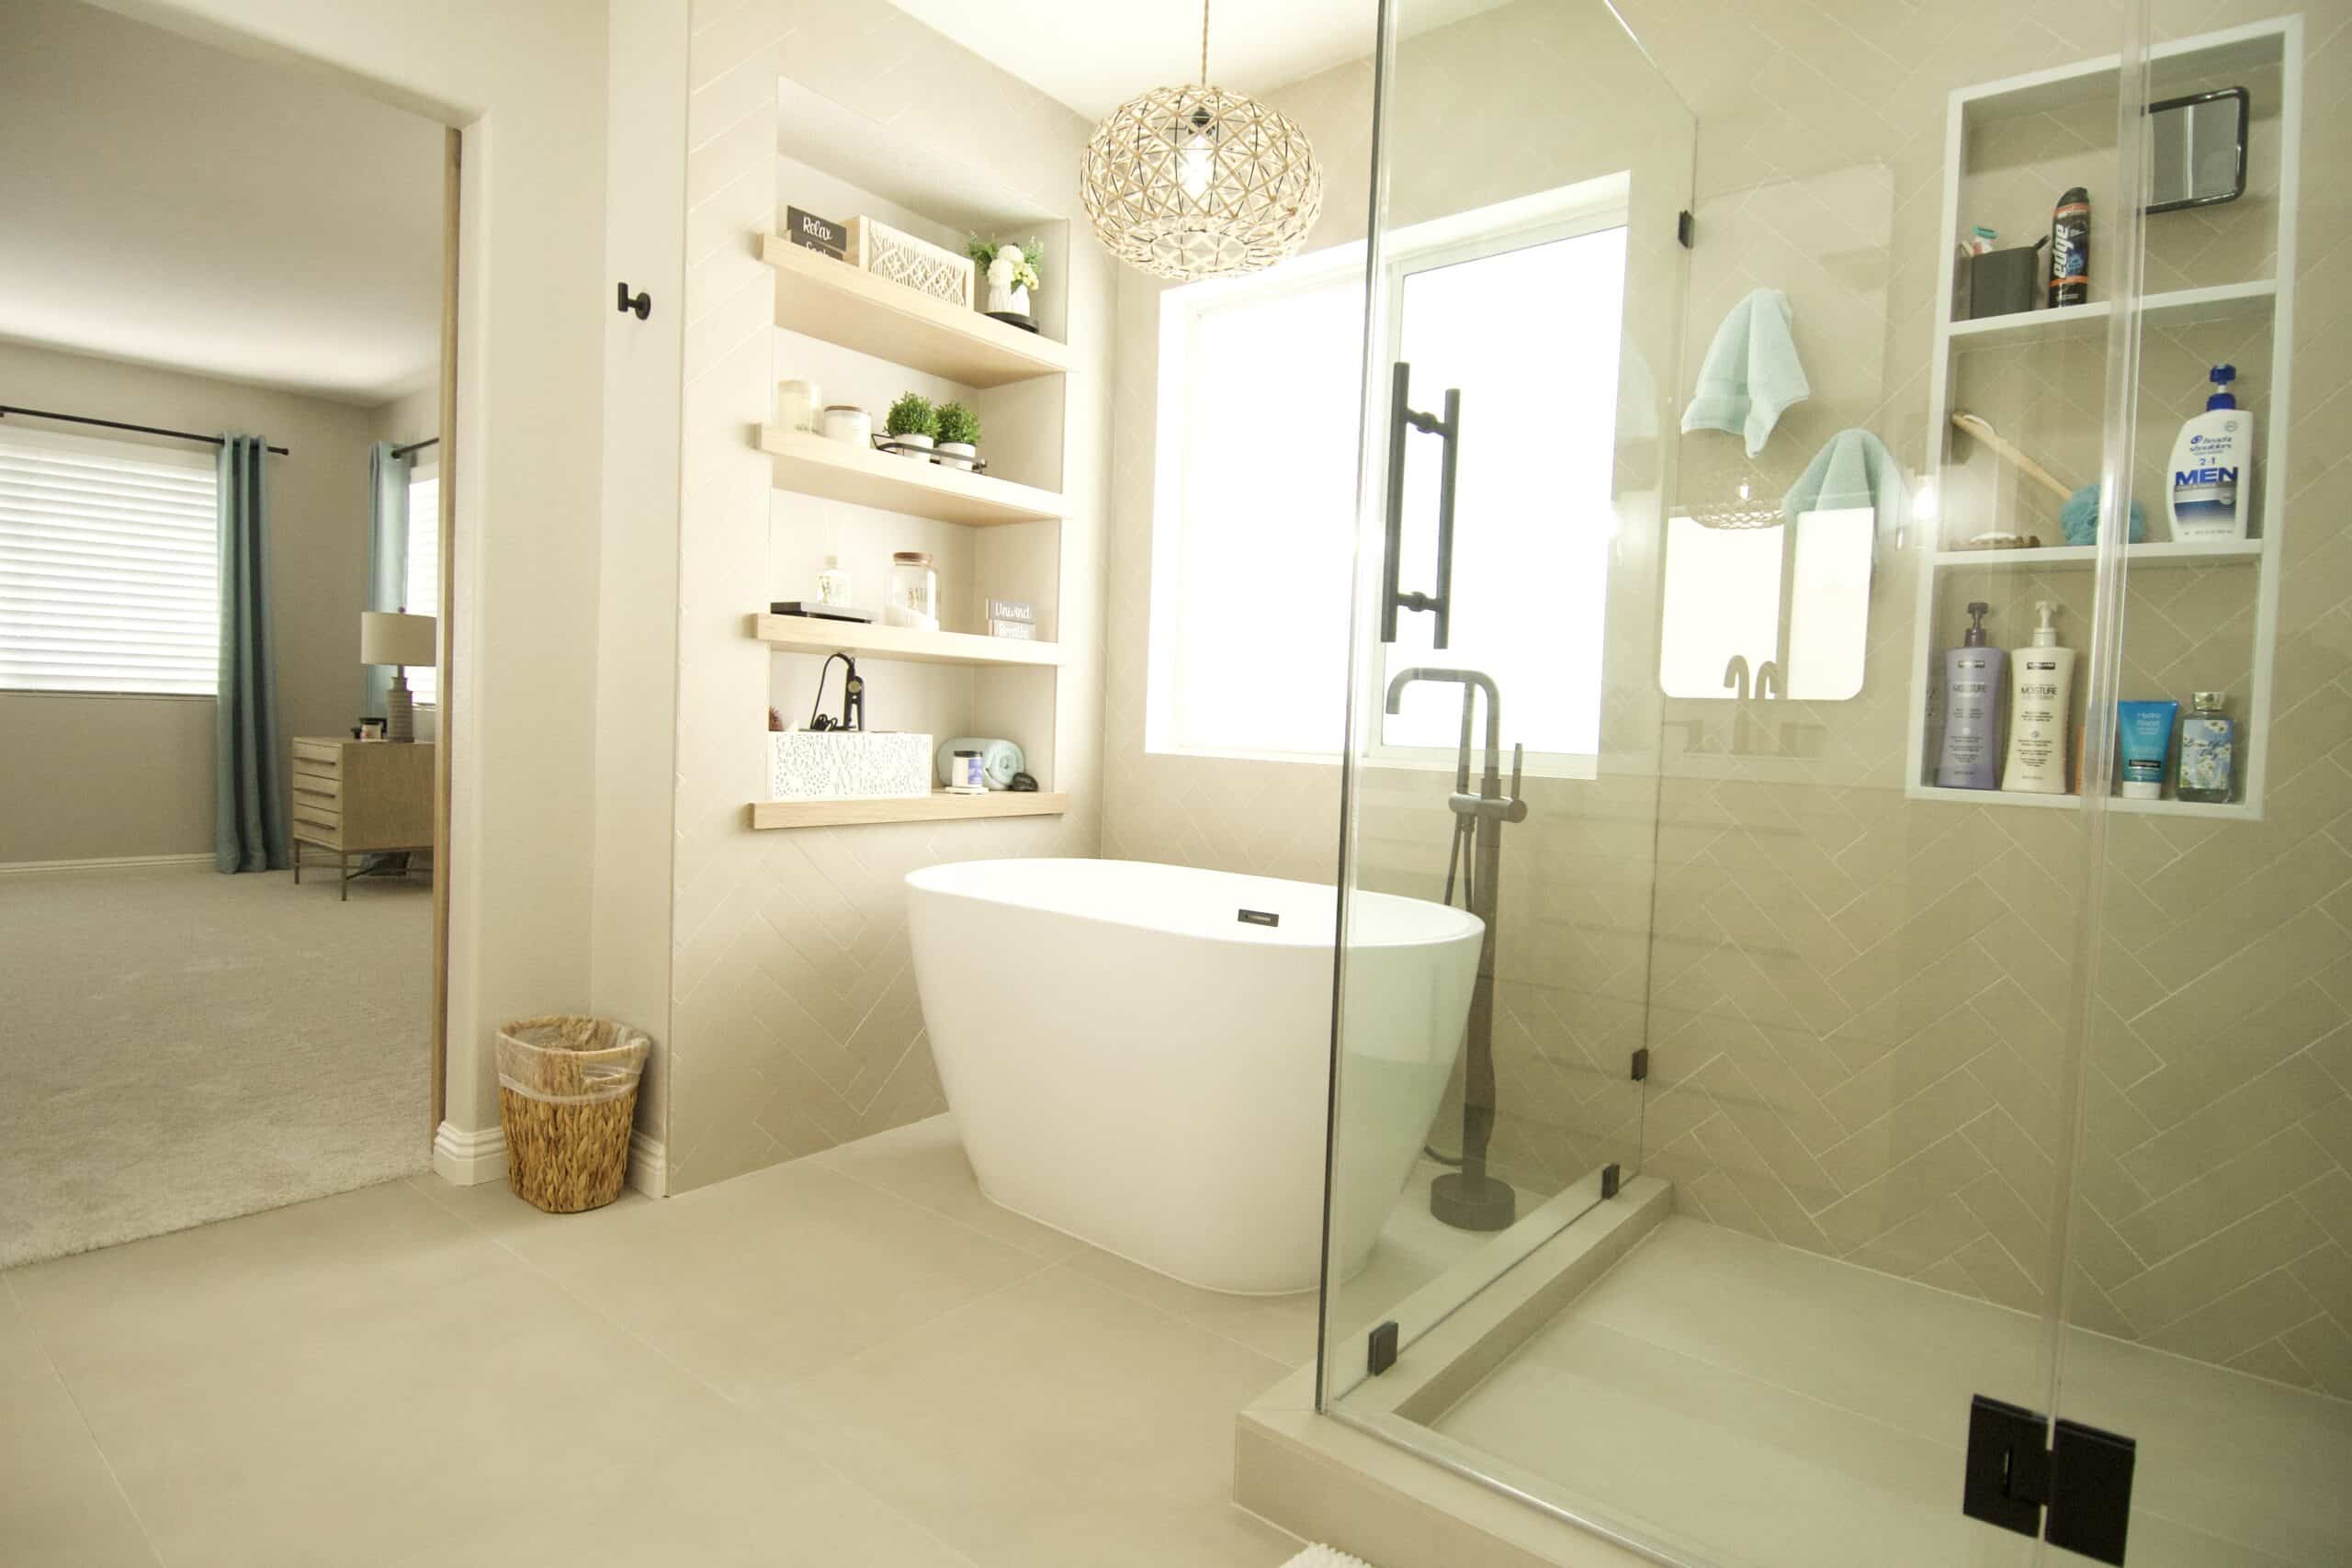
x=568, y=1060
x=567, y=1093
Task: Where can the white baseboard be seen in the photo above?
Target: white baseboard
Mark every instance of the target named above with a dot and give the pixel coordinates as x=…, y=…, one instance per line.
x=648, y=1165
x=465, y=1158
x=108, y=862
x=469, y=1159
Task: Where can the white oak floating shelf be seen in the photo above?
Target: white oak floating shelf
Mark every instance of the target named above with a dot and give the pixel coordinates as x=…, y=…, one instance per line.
x=2175, y=308
x=841, y=304
x=836, y=470
x=2155, y=553
x=939, y=806
x=807, y=634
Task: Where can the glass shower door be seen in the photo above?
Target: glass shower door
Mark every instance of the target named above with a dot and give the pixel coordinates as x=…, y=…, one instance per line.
x=1525, y=285
x=1785, y=1044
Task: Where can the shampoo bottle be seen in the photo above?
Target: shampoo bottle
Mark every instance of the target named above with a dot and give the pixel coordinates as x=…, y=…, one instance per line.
x=2210, y=465
x=2041, y=684
x=1972, y=701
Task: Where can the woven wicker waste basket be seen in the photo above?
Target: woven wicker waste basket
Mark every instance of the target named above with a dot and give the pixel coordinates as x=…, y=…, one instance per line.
x=567, y=1095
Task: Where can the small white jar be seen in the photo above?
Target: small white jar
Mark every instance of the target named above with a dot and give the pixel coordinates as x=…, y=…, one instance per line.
x=846, y=421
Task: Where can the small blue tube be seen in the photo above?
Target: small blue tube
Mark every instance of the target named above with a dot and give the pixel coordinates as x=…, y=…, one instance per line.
x=2144, y=729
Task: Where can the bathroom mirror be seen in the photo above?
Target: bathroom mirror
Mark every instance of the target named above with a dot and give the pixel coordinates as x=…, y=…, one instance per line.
x=1798, y=599
x=2196, y=149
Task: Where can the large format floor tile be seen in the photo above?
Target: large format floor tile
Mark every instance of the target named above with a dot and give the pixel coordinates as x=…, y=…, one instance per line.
x=1056, y=1424
x=1781, y=1408
x=58, y=1502
x=847, y=1363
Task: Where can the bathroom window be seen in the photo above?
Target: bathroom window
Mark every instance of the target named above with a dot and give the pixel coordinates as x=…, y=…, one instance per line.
x=1521, y=306
x=422, y=573
x=108, y=567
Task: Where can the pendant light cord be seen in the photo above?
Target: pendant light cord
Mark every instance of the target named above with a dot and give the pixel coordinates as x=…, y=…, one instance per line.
x=1205, y=42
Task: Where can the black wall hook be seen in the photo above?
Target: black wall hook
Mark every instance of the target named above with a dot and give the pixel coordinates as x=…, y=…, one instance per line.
x=642, y=302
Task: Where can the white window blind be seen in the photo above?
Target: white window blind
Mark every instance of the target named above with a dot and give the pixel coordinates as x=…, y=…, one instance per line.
x=422, y=576
x=109, y=575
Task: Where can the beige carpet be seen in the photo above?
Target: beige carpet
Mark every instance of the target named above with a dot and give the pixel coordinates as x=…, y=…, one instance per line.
x=179, y=1046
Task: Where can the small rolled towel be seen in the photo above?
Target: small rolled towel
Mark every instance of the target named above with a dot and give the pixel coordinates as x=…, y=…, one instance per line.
x=999, y=760
x=1852, y=469
x=1325, y=1557
x=1751, y=375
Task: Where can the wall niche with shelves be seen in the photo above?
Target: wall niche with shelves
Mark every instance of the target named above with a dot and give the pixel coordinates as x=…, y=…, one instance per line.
x=863, y=339
x=2199, y=616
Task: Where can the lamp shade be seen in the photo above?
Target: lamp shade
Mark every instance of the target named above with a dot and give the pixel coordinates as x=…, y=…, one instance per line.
x=386, y=638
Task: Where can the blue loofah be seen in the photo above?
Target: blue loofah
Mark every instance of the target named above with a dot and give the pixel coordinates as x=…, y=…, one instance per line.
x=2079, y=518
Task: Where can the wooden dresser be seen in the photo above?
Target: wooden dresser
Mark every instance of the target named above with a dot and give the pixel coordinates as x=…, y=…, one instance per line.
x=359, y=797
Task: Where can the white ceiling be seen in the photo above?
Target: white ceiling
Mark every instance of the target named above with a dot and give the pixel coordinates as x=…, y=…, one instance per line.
x=174, y=205
x=1094, y=57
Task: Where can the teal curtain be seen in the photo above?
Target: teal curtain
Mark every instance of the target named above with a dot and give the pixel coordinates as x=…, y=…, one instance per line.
x=387, y=585
x=249, y=824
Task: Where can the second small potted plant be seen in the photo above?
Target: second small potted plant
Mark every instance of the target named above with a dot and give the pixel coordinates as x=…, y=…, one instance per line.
x=959, y=435
x=912, y=422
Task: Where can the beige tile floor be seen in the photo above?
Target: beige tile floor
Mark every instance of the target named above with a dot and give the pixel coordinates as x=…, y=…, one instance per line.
x=852, y=1361
x=1781, y=1409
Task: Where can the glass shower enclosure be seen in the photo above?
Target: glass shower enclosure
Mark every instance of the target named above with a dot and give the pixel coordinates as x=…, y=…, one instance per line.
x=1849, y=1160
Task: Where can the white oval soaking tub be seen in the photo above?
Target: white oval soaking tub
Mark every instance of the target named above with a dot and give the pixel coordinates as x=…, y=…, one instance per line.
x=1133, y=1063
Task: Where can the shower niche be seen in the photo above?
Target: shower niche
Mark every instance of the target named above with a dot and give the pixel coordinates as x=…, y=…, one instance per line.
x=2217, y=288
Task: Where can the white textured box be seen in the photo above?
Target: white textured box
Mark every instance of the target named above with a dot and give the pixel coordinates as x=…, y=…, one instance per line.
x=811, y=765
x=898, y=255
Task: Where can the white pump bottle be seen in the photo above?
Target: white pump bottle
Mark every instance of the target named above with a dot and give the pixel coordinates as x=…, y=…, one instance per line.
x=2042, y=686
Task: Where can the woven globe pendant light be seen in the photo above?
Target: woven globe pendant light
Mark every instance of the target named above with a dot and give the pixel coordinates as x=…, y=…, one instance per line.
x=1196, y=182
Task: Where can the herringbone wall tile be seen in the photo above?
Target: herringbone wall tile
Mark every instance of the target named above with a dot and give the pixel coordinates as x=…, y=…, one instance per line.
x=1861, y=1009
x=795, y=1024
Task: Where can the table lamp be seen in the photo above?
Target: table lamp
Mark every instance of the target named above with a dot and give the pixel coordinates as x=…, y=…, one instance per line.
x=397, y=639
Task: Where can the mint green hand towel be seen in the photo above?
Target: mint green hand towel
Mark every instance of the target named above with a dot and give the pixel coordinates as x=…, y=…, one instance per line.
x=1751, y=375
x=1852, y=469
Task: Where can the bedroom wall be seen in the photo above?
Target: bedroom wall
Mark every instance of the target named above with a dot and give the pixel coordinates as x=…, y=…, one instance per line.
x=105, y=777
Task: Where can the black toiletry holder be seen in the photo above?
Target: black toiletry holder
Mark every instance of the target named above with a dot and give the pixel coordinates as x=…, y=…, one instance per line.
x=2001, y=283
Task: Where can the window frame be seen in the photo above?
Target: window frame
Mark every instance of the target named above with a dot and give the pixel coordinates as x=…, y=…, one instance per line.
x=419, y=473
x=1566, y=212
x=172, y=455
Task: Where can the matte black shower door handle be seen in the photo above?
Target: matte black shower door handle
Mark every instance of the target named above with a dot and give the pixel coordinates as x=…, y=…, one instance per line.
x=1403, y=418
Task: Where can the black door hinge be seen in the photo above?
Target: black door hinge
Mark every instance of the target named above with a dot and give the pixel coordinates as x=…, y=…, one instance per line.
x=1380, y=1351
x=1642, y=1065
x=1685, y=229
x=2072, y=1487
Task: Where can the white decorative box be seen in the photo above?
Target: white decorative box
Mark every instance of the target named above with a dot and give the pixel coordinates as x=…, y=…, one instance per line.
x=893, y=253
x=820, y=764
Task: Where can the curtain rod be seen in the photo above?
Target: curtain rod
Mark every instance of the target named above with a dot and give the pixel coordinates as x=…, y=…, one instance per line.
x=6, y=408
x=416, y=446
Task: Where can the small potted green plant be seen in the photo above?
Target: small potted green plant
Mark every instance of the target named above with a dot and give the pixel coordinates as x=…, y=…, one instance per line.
x=959, y=435
x=912, y=422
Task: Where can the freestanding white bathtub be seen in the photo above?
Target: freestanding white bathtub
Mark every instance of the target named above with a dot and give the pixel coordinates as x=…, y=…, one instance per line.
x=1132, y=1061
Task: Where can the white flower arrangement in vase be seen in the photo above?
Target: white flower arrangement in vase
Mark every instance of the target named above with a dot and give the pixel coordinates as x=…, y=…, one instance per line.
x=1011, y=273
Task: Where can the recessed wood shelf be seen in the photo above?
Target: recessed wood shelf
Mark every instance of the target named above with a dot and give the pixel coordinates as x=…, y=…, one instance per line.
x=840, y=303
x=938, y=806
x=2173, y=307
x=2155, y=553
x=862, y=477
x=804, y=634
